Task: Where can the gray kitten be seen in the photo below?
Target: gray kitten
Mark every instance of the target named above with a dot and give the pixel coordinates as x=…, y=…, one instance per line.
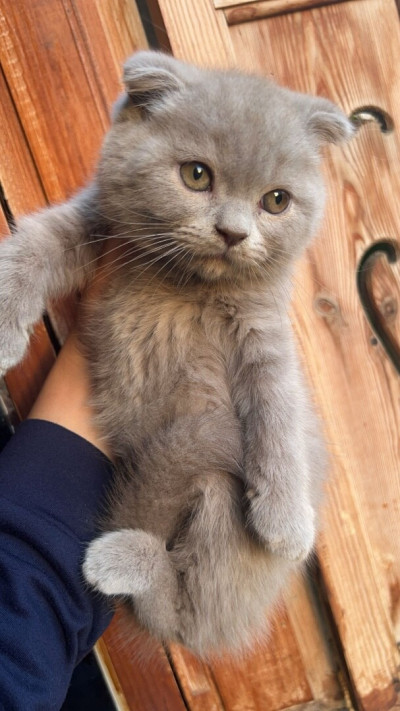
x=212, y=180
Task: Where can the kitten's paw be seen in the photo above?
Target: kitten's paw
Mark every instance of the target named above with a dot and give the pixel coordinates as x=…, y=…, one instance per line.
x=287, y=533
x=13, y=344
x=123, y=562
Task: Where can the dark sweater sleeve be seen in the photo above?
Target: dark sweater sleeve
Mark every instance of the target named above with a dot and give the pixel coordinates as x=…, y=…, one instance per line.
x=52, y=487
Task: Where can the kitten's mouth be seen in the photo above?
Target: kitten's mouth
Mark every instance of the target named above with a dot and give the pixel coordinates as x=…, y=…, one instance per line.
x=220, y=257
x=215, y=266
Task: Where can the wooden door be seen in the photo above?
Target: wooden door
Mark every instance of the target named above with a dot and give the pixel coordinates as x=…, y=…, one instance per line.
x=348, y=52
x=333, y=644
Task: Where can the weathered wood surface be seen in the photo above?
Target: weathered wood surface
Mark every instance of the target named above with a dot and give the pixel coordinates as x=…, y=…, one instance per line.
x=235, y=13
x=23, y=191
x=195, y=31
x=289, y=668
x=224, y=4
x=61, y=65
x=350, y=53
x=139, y=673
x=60, y=68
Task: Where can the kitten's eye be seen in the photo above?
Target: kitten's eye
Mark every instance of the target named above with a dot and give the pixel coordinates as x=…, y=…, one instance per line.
x=275, y=202
x=196, y=176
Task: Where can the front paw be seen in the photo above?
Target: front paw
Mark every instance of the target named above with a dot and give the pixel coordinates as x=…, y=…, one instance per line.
x=13, y=344
x=288, y=532
x=21, y=301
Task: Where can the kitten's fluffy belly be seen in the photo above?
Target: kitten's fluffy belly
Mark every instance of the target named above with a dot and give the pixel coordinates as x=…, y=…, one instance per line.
x=173, y=353
x=170, y=350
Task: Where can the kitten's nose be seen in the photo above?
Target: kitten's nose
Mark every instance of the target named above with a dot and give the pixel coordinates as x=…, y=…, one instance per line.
x=233, y=222
x=231, y=236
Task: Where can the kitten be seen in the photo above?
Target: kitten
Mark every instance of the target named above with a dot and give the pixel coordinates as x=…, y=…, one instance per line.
x=212, y=180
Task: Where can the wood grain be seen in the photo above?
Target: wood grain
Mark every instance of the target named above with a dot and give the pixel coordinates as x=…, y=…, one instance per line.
x=271, y=677
x=60, y=63
x=195, y=680
x=18, y=176
x=356, y=387
x=349, y=52
x=49, y=86
x=246, y=12
x=317, y=649
x=264, y=682
x=138, y=670
x=23, y=191
x=109, y=31
x=196, y=32
x=229, y=4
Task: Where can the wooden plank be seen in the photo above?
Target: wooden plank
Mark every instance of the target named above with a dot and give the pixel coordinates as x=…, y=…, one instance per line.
x=272, y=676
x=56, y=103
x=246, y=12
x=316, y=706
x=200, y=684
x=70, y=63
x=123, y=28
x=138, y=670
x=110, y=675
x=23, y=192
x=316, y=646
x=223, y=4
x=195, y=680
x=107, y=33
x=267, y=679
x=61, y=64
x=228, y=4
x=233, y=686
x=348, y=52
x=182, y=20
x=18, y=176
x=357, y=389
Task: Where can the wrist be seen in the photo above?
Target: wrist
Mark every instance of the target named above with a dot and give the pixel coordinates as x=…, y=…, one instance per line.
x=65, y=396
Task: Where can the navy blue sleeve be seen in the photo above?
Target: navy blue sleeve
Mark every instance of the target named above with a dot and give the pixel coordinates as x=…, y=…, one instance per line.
x=52, y=486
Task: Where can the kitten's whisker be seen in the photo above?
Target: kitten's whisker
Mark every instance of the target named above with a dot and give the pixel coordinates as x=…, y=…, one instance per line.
x=161, y=238
x=119, y=235
x=140, y=256
x=179, y=249
x=150, y=221
x=176, y=263
x=150, y=217
x=132, y=250
x=106, y=266
x=189, y=274
x=100, y=256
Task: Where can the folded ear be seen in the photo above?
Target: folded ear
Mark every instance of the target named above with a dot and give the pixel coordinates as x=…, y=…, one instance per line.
x=149, y=78
x=328, y=122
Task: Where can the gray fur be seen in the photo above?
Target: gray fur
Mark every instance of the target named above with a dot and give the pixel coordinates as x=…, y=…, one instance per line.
x=195, y=379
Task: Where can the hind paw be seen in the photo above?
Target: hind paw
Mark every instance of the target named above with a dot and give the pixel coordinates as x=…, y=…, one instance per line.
x=123, y=562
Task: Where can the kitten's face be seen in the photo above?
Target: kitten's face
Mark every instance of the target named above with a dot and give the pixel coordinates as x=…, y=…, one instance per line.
x=221, y=171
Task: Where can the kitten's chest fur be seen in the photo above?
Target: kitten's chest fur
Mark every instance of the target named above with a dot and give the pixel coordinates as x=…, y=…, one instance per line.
x=163, y=352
